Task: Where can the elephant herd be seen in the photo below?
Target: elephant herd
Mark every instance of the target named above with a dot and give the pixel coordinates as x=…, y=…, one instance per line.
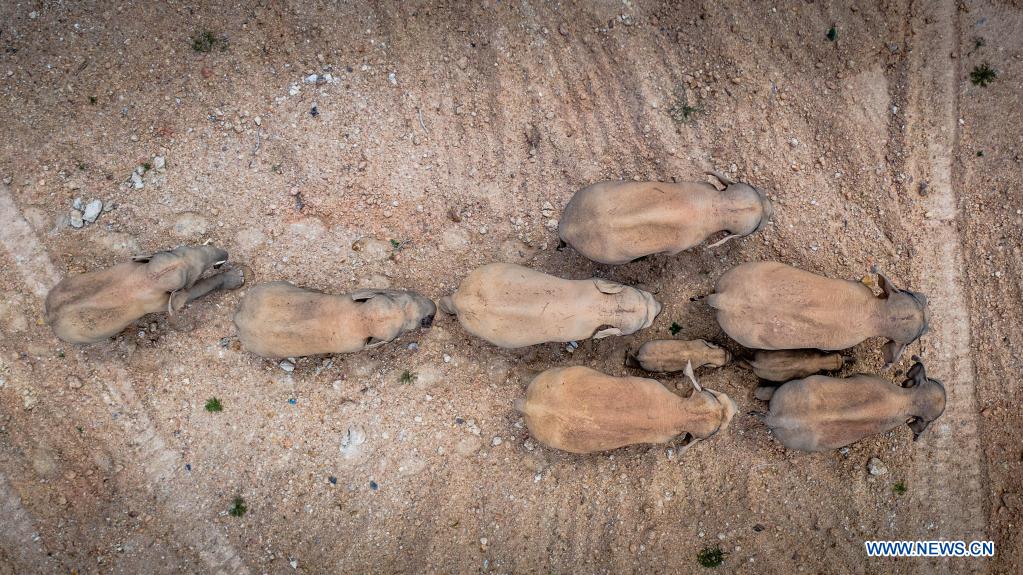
x=794, y=320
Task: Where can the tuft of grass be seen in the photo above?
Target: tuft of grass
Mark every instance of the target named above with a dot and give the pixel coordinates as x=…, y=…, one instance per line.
x=980, y=153
x=711, y=557
x=397, y=245
x=205, y=41
x=832, y=34
x=213, y=405
x=93, y=100
x=408, y=377
x=238, y=507
x=978, y=42
x=983, y=75
x=900, y=488
x=675, y=328
x=681, y=112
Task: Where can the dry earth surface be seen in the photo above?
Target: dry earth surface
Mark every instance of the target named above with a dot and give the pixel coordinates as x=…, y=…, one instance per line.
x=348, y=144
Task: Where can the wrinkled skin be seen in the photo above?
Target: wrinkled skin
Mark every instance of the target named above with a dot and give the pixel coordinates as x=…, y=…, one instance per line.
x=513, y=306
x=617, y=222
x=820, y=413
x=785, y=365
x=581, y=410
x=667, y=355
x=94, y=306
x=770, y=305
x=278, y=319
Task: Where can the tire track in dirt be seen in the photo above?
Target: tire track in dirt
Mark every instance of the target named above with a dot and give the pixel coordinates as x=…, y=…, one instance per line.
x=158, y=461
x=947, y=481
x=18, y=536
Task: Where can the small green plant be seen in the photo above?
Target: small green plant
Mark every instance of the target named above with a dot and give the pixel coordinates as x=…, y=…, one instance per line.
x=408, y=377
x=900, y=488
x=711, y=557
x=832, y=34
x=147, y=166
x=238, y=508
x=205, y=41
x=675, y=328
x=277, y=169
x=396, y=245
x=980, y=153
x=681, y=112
x=983, y=75
x=213, y=405
x=978, y=42
x=92, y=100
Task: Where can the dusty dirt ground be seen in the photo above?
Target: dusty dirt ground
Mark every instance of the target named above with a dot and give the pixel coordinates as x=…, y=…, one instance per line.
x=875, y=145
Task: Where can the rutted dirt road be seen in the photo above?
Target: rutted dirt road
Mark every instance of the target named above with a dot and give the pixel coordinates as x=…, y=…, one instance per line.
x=449, y=129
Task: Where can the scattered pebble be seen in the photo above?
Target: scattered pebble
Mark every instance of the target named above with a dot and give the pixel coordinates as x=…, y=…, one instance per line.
x=136, y=180
x=393, y=79
x=92, y=211
x=74, y=382
x=373, y=485
x=159, y=163
x=413, y=346
x=496, y=441
x=876, y=467
x=76, y=219
x=287, y=366
x=447, y=358
x=354, y=437
x=294, y=90
x=293, y=563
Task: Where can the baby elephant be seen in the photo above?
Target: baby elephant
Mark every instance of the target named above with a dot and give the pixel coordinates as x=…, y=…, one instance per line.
x=789, y=364
x=278, y=319
x=94, y=306
x=820, y=412
x=666, y=355
x=617, y=222
x=513, y=306
x=770, y=305
x=581, y=410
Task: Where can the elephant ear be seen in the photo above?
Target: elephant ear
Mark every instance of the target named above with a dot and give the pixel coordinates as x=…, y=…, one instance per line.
x=608, y=287
x=918, y=426
x=366, y=294
x=887, y=287
x=891, y=352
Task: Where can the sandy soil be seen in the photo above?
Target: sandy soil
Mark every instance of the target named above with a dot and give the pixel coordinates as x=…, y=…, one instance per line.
x=447, y=128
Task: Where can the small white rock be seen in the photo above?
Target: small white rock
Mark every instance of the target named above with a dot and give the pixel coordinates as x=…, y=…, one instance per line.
x=496, y=441
x=876, y=467
x=159, y=162
x=287, y=366
x=136, y=180
x=92, y=211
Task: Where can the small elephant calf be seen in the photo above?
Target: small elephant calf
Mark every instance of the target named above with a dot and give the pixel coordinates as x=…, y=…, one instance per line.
x=94, y=306
x=278, y=319
x=668, y=355
x=820, y=413
x=788, y=364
